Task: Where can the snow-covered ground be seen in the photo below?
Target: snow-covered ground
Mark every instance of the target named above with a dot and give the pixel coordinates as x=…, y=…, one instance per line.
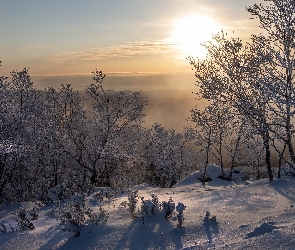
x=250, y=215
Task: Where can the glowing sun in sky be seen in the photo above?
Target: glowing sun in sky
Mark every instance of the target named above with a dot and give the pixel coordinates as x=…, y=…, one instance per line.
x=190, y=31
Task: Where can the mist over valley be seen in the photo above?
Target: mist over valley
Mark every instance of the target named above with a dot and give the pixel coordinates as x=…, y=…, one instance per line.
x=169, y=96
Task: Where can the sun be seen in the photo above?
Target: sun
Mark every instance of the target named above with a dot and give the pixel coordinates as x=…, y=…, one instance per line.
x=190, y=31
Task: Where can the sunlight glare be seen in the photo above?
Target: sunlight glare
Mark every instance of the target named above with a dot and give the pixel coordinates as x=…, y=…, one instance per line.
x=190, y=31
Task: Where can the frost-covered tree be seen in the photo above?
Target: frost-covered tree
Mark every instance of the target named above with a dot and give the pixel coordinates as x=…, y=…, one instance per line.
x=222, y=118
x=52, y=147
x=132, y=166
x=227, y=76
x=20, y=114
x=58, y=171
x=276, y=47
x=97, y=140
x=213, y=131
x=168, y=156
x=162, y=154
x=251, y=150
x=204, y=134
x=235, y=143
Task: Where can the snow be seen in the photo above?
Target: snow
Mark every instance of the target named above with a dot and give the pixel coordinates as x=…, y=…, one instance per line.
x=249, y=215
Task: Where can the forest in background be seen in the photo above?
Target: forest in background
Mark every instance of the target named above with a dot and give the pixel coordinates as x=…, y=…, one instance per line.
x=51, y=140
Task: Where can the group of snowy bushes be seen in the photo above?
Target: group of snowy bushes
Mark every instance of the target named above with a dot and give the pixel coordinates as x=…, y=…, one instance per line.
x=152, y=206
x=74, y=213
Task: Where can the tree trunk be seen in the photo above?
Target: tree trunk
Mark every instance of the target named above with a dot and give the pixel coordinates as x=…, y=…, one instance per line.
x=233, y=157
x=203, y=177
x=289, y=136
x=220, y=155
x=267, y=155
x=55, y=173
x=93, y=177
x=288, y=99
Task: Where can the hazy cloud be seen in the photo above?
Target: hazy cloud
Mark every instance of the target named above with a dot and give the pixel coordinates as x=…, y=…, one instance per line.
x=126, y=50
x=242, y=28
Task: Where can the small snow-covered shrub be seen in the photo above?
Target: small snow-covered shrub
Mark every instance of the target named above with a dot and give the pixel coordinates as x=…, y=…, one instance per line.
x=131, y=204
x=204, y=177
x=150, y=206
x=169, y=208
x=34, y=214
x=156, y=203
x=147, y=207
x=207, y=217
x=101, y=216
x=73, y=215
x=2, y=227
x=95, y=218
x=180, y=217
x=23, y=218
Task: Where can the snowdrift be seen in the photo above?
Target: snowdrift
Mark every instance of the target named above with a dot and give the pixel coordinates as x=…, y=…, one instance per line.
x=249, y=215
x=214, y=172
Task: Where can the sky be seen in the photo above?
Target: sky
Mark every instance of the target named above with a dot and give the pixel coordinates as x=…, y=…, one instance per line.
x=119, y=37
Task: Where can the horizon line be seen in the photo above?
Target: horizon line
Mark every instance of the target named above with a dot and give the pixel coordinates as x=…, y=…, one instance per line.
x=111, y=73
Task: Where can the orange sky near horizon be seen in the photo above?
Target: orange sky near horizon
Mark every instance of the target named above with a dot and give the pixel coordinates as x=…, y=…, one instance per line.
x=75, y=37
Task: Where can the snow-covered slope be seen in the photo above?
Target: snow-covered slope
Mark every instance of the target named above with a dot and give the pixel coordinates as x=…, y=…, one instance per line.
x=250, y=215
